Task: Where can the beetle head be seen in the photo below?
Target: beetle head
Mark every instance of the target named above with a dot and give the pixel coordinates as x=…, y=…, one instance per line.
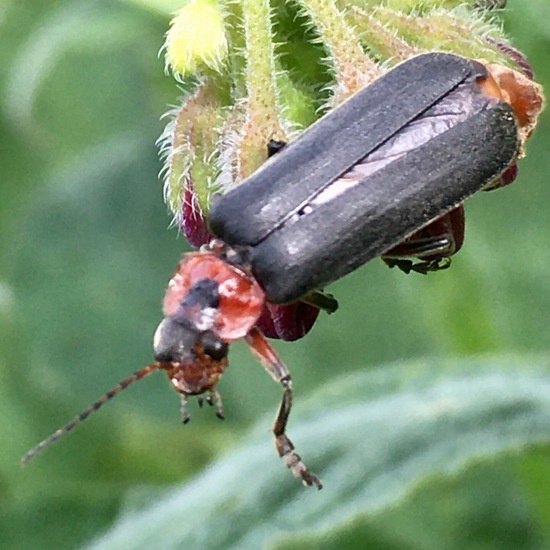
x=186, y=343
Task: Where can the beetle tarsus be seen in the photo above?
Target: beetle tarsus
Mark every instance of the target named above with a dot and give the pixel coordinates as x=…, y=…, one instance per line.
x=408, y=266
x=435, y=265
x=285, y=447
x=293, y=461
x=403, y=265
x=215, y=398
x=185, y=418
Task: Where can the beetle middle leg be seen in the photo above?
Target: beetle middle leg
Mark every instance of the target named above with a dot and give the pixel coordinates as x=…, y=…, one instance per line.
x=433, y=245
x=269, y=358
x=321, y=300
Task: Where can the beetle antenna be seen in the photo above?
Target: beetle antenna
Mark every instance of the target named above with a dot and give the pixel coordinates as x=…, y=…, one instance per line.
x=138, y=375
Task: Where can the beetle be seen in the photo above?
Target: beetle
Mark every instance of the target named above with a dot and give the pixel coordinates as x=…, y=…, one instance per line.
x=404, y=151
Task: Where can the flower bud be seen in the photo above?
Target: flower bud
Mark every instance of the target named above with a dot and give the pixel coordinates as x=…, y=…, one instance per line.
x=196, y=39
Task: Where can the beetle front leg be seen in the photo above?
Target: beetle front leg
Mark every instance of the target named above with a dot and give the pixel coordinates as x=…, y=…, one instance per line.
x=284, y=446
x=265, y=353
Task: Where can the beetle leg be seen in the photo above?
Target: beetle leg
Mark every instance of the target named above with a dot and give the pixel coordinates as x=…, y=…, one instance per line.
x=184, y=409
x=215, y=398
x=406, y=266
x=284, y=446
x=321, y=300
x=434, y=244
x=423, y=247
x=269, y=358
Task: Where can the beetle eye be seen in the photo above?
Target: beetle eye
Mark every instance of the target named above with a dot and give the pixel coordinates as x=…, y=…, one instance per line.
x=213, y=346
x=173, y=341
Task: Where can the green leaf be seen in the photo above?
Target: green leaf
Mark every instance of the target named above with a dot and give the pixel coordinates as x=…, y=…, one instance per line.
x=85, y=259
x=372, y=437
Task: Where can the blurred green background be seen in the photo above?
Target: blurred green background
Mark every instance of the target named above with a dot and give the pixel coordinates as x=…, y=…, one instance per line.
x=85, y=257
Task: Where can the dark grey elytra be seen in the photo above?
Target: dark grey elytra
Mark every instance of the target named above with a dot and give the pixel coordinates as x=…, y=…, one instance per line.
x=396, y=155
